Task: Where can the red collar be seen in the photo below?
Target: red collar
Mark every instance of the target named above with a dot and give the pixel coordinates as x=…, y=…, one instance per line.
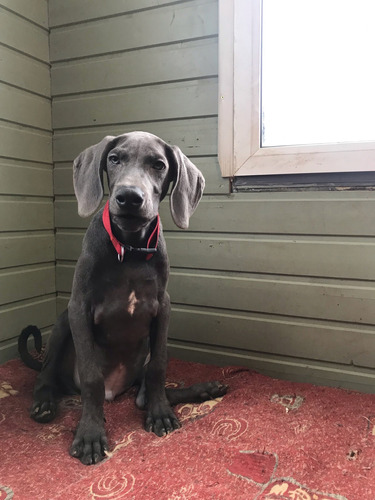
x=122, y=248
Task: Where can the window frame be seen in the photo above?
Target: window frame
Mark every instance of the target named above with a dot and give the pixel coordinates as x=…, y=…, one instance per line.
x=239, y=122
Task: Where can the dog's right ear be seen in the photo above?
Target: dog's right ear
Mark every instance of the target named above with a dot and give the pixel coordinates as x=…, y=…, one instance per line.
x=88, y=176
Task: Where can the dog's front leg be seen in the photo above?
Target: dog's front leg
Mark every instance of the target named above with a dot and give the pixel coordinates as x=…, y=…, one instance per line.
x=160, y=417
x=90, y=442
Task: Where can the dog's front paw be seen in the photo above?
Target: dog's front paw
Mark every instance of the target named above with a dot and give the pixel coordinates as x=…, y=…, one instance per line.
x=90, y=443
x=161, y=420
x=44, y=406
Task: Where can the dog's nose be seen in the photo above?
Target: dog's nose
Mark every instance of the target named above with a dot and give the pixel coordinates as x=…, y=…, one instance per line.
x=130, y=196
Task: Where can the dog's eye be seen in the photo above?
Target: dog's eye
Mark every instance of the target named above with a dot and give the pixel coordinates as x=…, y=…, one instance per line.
x=114, y=159
x=158, y=165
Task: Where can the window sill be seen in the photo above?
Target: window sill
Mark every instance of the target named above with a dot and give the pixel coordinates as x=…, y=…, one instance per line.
x=338, y=181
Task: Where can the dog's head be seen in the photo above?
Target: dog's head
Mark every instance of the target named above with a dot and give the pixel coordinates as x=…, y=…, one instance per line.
x=140, y=167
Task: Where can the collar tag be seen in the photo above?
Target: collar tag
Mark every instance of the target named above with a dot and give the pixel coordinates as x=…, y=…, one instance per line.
x=120, y=255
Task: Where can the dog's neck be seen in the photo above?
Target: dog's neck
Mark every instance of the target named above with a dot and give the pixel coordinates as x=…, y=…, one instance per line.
x=132, y=238
x=141, y=242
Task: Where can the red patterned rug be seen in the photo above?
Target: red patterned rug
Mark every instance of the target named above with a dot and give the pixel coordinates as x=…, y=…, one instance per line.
x=265, y=440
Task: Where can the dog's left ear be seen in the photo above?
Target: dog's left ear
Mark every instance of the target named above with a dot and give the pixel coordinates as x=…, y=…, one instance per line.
x=187, y=190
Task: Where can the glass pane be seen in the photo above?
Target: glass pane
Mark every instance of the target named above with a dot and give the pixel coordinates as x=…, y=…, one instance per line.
x=318, y=71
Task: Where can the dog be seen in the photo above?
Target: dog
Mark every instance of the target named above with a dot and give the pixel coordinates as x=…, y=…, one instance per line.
x=113, y=334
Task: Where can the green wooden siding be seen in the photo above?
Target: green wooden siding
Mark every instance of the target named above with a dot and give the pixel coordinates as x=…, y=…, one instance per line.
x=27, y=240
x=158, y=25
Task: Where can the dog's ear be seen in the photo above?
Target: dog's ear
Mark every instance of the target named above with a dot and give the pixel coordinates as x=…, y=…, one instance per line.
x=88, y=176
x=187, y=190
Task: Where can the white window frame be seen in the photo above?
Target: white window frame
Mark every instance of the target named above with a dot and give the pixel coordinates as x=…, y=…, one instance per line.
x=239, y=109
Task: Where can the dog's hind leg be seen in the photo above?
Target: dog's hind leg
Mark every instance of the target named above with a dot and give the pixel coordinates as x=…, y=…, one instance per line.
x=196, y=393
x=46, y=389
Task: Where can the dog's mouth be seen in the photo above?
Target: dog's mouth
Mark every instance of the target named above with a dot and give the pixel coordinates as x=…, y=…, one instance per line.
x=131, y=217
x=130, y=221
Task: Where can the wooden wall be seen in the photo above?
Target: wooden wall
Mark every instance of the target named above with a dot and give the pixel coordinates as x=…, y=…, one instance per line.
x=281, y=282
x=27, y=253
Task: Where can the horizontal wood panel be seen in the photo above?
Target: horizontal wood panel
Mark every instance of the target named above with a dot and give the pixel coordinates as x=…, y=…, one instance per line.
x=36, y=11
x=329, y=257
x=196, y=136
x=336, y=213
x=161, y=102
x=24, y=283
x=307, y=298
x=316, y=213
x=163, y=25
x=68, y=244
x=187, y=60
x=24, y=36
x=215, y=184
x=22, y=71
x=25, y=144
x=20, y=215
x=25, y=179
x=63, y=179
x=14, y=317
x=70, y=11
x=318, y=340
x=24, y=108
x=66, y=215
x=318, y=373
x=64, y=277
x=19, y=249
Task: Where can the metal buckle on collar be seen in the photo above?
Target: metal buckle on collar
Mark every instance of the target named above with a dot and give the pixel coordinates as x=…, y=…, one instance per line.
x=129, y=248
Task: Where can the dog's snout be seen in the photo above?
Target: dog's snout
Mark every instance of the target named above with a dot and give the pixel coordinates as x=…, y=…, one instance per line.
x=130, y=196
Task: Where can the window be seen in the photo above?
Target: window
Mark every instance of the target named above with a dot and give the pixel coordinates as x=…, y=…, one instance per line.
x=296, y=86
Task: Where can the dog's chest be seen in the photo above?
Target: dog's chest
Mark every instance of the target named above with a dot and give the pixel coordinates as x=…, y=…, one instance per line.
x=127, y=305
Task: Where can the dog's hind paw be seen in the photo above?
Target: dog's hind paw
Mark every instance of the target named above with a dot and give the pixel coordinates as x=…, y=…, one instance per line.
x=208, y=390
x=44, y=406
x=43, y=412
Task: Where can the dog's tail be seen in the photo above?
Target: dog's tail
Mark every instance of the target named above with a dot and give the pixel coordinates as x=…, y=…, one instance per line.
x=26, y=357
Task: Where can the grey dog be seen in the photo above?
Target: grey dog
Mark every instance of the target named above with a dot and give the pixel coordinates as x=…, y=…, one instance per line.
x=114, y=333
